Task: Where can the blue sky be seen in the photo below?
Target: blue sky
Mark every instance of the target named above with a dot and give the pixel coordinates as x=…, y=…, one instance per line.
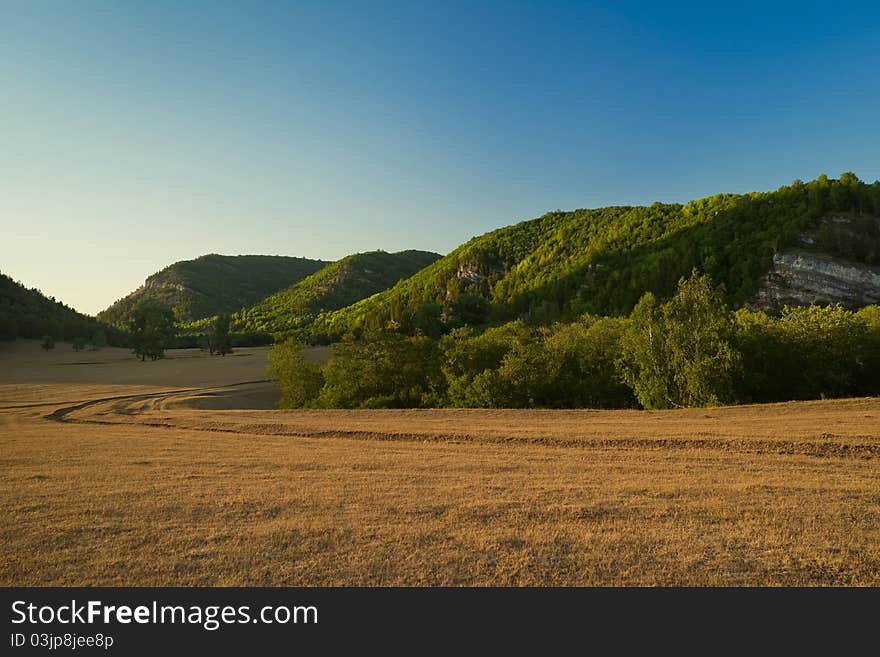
x=135, y=134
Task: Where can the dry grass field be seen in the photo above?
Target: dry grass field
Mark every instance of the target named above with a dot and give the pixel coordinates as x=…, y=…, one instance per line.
x=116, y=472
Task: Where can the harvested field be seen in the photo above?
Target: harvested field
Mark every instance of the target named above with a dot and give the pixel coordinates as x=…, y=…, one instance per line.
x=178, y=472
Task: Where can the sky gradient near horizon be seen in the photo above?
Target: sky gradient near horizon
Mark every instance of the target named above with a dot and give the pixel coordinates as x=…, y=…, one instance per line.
x=136, y=134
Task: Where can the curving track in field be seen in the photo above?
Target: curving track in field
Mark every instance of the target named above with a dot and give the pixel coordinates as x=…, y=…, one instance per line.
x=134, y=403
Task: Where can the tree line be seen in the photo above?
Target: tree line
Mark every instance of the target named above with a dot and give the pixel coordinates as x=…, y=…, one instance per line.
x=153, y=328
x=691, y=350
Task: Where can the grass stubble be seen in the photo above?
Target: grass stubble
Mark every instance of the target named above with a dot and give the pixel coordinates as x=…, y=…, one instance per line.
x=116, y=472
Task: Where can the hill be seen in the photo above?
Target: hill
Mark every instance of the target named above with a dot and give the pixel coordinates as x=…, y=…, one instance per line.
x=214, y=284
x=335, y=286
x=28, y=313
x=602, y=261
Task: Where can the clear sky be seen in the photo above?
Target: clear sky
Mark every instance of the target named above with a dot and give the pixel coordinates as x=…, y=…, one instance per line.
x=134, y=134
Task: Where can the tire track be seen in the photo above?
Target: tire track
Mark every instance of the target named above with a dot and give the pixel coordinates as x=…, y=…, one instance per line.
x=61, y=414
x=829, y=445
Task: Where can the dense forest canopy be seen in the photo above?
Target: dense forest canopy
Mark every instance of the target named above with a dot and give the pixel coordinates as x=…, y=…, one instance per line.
x=28, y=313
x=563, y=264
x=335, y=286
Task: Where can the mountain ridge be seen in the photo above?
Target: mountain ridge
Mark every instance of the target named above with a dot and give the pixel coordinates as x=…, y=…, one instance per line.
x=28, y=313
x=601, y=261
x=555, y=267
x=212, y=284
x=339, y=284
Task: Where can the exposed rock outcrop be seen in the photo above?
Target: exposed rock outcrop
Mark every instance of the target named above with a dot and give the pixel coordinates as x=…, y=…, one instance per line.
x=800, y=278
x=476, y=275
x=470, y=273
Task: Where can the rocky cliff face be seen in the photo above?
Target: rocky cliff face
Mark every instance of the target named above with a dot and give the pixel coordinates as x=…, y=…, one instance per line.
x=472, y=274
x=799, y=277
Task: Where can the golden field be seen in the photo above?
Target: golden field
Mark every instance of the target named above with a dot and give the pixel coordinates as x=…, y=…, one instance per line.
x=177, y=472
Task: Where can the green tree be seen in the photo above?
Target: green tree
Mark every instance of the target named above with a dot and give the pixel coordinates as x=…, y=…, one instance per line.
x=680, y=353
x=466, y=309
x=809, y=352
x=220, y=340
x=869, y=379
x=769, y=367
x=300, y=381
x=471, y=363
x=99, y=340
x=48, y=342
x=522, y=379
x=79, y=343
x=518, y=366
x=385, y=369
x=426, y=320
x=152, y=328
x=586, y=375
x=824, y=349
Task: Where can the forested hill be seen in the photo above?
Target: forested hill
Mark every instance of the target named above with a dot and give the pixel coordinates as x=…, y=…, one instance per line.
x=335, y=286
x=214, y=284
x=28, y=313
x=602, y=261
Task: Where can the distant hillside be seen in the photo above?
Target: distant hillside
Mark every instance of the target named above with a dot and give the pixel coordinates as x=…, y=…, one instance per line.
x=28, y=313
x=214, y=284
x=337, y=285
x=602, y=261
